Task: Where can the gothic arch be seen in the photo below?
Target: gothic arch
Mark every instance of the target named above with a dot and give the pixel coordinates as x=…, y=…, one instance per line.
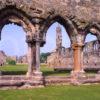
x=94, y=29
x=11, y=14
x=68, y=25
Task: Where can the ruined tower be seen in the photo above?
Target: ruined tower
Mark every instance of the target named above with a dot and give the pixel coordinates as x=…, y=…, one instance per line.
x=58, y=39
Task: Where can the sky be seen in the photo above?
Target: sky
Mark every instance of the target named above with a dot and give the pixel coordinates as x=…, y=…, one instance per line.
x=13, y=40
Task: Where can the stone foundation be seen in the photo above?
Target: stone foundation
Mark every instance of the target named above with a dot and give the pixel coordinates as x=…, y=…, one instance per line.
x=22, y=82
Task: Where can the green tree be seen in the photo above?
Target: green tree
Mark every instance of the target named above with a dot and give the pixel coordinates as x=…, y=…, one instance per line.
x=10, y=61
x=43, y=57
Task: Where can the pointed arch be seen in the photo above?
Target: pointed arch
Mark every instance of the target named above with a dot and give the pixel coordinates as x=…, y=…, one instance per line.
x=94, y=29
x=64, y=21
x=10, y=14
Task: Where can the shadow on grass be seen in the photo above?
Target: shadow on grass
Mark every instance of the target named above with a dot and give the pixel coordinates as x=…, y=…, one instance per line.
x=45, y=73
x=91, y=71
x=51, y=73
x=13, y=72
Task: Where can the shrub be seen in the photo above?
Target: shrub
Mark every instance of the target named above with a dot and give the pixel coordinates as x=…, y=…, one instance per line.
x=11, y=62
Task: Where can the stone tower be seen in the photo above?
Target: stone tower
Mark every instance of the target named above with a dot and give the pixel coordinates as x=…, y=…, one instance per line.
x=58, y=38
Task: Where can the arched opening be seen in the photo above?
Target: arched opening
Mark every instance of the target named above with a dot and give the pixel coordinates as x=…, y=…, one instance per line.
x=14, y=48
x=57, y=52
x=91, y=53
x=90, y=37
x=10, y=14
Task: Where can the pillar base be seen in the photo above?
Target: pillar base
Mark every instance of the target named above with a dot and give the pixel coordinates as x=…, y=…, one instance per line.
x=78, y=74
x=37, y=73
x=28, y=74
x=77, y=77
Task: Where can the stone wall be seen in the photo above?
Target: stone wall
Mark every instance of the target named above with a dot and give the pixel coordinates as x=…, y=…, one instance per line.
x=2, y=58
x=65, y=59
x=22, y=59
x=79, y=17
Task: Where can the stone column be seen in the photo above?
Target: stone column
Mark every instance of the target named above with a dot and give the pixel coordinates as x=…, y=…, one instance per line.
x=37, y=70
x=31, y=56
x=82, y=60
x=78, y=59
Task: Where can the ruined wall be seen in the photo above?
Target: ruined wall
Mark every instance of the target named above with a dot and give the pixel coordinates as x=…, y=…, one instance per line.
x=65, y=60
x=22, y=59
x=2, y=58
x=84, y=10
x=92, y=55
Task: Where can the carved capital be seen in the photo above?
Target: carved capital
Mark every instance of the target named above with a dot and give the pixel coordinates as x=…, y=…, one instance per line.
x=40, y=41
x=28, y=39
x=77, y=45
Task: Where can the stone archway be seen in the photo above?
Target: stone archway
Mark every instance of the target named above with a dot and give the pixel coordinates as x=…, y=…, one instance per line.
x=36, y=16
x=93, y=47
x=66, y=22
x=9, y=15
x=75, y=36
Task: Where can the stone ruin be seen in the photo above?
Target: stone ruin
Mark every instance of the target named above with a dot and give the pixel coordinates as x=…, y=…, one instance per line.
x=79, y=17
x=2, y=58
x=62, y=58
x=22, y=59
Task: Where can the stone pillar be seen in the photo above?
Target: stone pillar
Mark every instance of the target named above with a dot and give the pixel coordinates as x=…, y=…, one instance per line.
x=31, y=56
x=82, y=60
x=78, y=60
x=37, y=70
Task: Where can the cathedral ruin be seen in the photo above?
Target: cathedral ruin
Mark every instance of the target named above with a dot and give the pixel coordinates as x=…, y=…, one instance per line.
x=62, y=58
x=79, y=17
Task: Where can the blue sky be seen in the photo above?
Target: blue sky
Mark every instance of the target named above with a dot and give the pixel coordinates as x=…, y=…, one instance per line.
x=13, y=40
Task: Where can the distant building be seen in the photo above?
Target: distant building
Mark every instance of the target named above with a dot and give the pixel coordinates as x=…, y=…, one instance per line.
x=11, y=58
x=22, y=59
x=2, y=58
x=62, y=58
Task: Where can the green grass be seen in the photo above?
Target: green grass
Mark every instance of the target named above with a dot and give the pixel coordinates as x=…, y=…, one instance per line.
x=50, y=71
x=69, y=92
x=21, y=69
x=54, y=93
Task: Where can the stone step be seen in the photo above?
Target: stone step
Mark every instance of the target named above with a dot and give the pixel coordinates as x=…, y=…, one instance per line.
x=20, y=81
x=9, y=77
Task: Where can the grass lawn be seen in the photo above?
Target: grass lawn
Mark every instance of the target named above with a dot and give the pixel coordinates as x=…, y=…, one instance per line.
x=54, y=93
x=69, y=92
x=21, y=69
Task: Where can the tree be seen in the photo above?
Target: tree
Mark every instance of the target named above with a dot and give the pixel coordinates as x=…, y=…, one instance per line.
x=43, y=57
x=11, y=61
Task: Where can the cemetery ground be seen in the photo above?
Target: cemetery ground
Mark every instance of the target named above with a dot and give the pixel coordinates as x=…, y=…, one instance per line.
x=68, y=92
